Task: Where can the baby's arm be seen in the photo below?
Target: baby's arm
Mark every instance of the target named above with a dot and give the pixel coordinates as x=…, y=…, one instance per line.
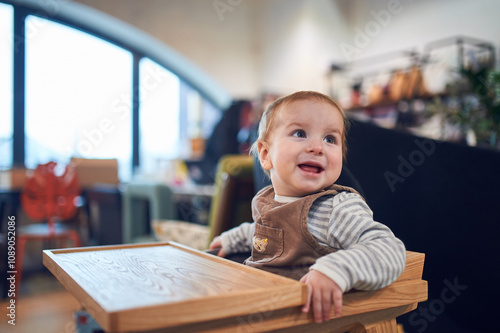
x=369, y=256
x=238, y=239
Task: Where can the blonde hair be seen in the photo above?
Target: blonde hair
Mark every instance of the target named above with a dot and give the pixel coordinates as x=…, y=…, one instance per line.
x=271, y=116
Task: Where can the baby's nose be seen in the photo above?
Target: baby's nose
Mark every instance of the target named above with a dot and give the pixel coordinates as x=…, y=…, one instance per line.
x=315, y=146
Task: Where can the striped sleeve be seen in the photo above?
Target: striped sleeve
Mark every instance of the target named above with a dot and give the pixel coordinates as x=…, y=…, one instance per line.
x=238, y=239
x=368, y=255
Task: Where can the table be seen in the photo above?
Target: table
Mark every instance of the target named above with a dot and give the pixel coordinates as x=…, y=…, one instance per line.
x=162, y=287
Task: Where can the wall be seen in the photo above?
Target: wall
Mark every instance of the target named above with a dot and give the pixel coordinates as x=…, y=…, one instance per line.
x=287, y=45
x=422, y=21
x=298, y=41
x=248, y=47
x=224, y=49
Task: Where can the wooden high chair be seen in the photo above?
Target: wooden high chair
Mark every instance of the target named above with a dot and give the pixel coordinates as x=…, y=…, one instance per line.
x=168, y=287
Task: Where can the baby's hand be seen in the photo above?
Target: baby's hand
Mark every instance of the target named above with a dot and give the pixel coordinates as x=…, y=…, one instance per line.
x=322, y=292
x=217, y=244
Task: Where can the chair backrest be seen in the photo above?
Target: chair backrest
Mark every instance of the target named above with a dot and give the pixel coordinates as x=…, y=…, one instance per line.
x=92, y=172
x=48, y=195
x=234, y=190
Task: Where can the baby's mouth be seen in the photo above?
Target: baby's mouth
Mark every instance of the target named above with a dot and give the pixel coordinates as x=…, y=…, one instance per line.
x=311, y=168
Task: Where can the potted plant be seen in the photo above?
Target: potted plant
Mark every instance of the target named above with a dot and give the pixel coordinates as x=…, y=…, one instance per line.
x=472, y=104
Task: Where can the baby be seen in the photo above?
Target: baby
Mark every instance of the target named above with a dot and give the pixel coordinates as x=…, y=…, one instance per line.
x=305, y=226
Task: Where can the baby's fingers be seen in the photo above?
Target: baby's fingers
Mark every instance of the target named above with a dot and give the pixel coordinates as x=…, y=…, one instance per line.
x=216, y=243
x=306, y=307
x=319, y=306
x=221, y=253
x=326, y=305
x=337, y=302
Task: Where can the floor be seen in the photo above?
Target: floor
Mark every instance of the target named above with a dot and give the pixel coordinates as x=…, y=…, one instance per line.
x=44, y=306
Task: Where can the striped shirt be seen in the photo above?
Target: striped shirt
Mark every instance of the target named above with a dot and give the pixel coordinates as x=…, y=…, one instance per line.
x=368, y=255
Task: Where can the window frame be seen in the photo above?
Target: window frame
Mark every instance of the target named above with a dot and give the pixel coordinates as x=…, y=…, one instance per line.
x=123, y=35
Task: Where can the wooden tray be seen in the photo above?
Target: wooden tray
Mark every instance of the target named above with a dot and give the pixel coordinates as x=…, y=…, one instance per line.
x=148, y=286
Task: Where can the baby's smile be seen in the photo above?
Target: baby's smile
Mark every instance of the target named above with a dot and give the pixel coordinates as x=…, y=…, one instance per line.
x=311, y=168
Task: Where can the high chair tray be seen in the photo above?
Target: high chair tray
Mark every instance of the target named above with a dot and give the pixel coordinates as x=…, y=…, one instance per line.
x=149, y=286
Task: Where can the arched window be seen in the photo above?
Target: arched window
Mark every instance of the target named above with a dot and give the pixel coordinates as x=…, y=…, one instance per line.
x=88, y=85
x=75, y=89
x=159, y=130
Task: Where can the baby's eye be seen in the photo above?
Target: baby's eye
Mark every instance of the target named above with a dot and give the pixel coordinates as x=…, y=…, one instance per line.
x=299, y=133
x=329, y=139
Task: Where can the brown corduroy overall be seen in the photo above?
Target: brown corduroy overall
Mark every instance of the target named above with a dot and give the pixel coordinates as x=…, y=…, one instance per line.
x=282, y=243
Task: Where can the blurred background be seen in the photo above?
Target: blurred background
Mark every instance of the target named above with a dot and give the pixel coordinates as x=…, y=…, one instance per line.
x=139, y=103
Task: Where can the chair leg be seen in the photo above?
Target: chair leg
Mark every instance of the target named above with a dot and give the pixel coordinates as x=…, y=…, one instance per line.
x=389, y=326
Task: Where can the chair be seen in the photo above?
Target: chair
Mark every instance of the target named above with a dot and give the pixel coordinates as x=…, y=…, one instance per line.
x=143, y=202
x=234, y=190
x=210, y=294
x=52, y=198
x=362, y=311
x=104, y=206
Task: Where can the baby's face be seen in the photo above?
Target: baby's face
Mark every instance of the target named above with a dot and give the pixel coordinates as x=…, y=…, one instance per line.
x=304, y=151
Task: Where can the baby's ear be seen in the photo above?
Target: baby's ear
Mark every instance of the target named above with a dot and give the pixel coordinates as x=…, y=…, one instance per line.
x=264, y=156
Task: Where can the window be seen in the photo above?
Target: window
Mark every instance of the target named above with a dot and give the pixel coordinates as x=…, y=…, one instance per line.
x=6, y=108
x=78, y=96
x=95, y=87
x=172, y=114
x=198, y=118
x=159, y=116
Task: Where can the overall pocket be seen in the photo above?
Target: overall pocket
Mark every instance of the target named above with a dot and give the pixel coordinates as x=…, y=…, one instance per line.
x=267, y=243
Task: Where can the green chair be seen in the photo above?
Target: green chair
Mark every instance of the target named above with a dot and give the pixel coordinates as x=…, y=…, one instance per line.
x=234, y=190
x=142, y=203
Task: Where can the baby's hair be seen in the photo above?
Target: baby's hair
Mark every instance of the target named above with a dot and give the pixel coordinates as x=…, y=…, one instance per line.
x=271, y=116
